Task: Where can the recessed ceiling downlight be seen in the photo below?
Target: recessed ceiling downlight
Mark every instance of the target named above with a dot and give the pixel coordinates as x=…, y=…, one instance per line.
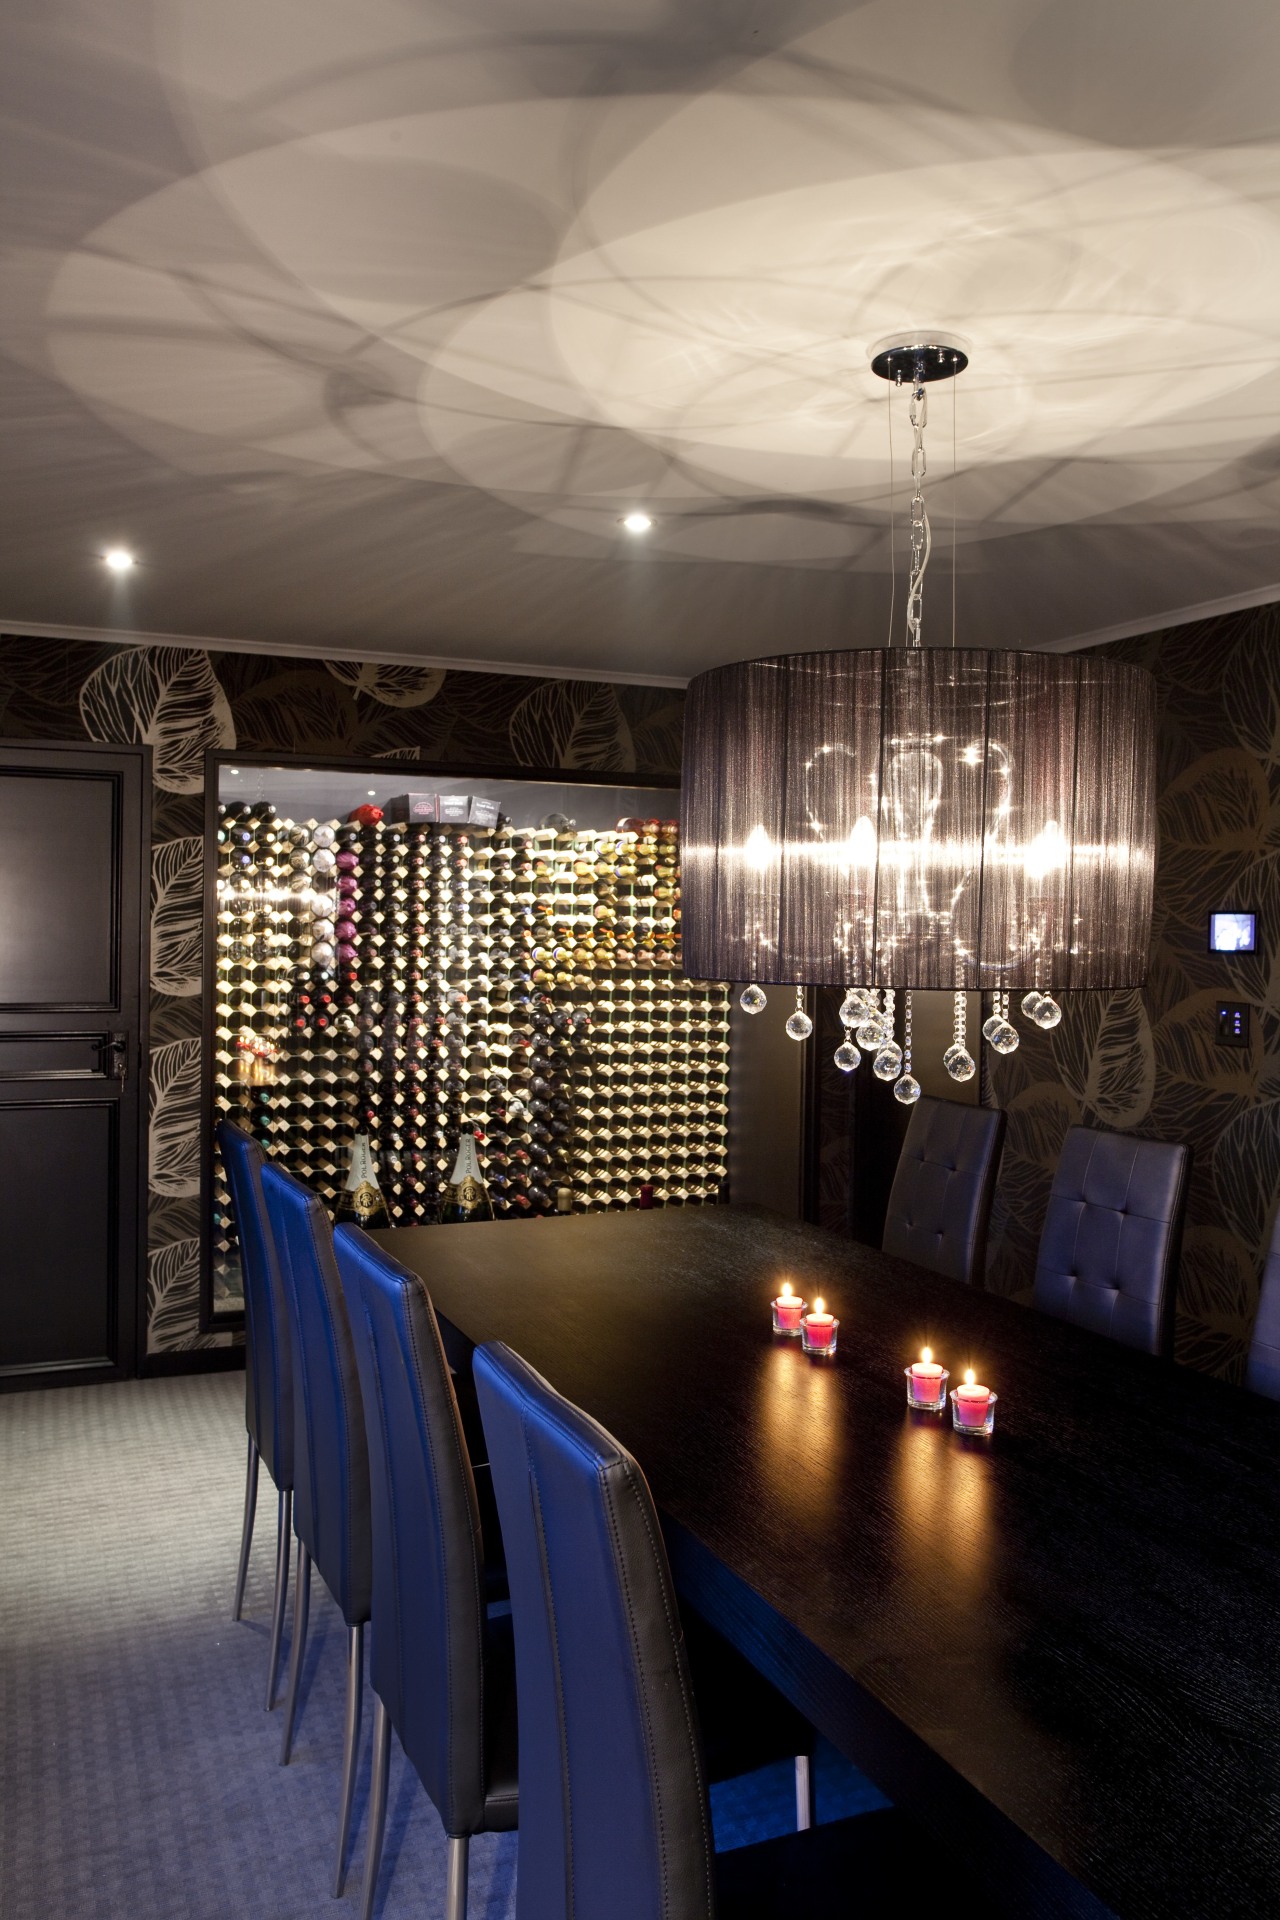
x=118, y=560
x=637, y=522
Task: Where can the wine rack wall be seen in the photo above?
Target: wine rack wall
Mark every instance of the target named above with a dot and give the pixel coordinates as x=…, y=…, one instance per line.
x=410, y=982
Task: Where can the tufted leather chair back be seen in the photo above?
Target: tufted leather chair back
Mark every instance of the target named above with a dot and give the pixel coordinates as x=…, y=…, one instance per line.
x=613, y=1815
x=331, y=1460
x=1108, y=1253
x=268, y=1365
x=941, y=1197
x=1263, y=1371
x=428, y=1633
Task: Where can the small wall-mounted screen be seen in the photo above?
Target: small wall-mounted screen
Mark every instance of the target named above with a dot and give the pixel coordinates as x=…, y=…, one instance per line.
x=1233, y=932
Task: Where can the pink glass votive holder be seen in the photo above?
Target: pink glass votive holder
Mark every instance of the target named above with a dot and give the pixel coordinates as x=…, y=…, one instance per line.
x=927, y=1388
x=818, y=1332
x=973, y=1410
x=788, y=1311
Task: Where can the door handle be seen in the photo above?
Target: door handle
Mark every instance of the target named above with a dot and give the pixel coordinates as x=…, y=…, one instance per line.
x=115, y=1056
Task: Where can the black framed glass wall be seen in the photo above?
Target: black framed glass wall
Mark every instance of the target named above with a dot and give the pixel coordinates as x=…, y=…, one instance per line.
x=504, y=961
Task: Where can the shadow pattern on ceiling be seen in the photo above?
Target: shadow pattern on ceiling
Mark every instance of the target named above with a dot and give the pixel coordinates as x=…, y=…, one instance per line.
x=370, y=324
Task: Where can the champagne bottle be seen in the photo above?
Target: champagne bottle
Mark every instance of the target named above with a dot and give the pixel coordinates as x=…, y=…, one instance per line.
x=464, y=1197
x=361, y=1199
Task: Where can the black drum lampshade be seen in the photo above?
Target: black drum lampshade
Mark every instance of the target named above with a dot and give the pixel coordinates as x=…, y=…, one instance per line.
x=920, y=818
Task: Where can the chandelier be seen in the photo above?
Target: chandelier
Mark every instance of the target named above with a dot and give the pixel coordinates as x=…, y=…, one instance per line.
x=911, y=817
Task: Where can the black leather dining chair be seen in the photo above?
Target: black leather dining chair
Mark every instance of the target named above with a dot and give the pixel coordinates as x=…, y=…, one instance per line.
x=268, y=1371
x=441, y=1665
x=940, y=1201
x=331, y=1480
x=1262, y=1373
x=1109, y=1250
x=615, y=1822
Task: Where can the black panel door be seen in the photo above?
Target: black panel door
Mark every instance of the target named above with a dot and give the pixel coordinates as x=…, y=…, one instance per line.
x=73, y=901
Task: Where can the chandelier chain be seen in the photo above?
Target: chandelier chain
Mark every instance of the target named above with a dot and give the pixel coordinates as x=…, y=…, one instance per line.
x=921, y=535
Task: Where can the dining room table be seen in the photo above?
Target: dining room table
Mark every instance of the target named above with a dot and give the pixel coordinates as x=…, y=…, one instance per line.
x=1056, y=1645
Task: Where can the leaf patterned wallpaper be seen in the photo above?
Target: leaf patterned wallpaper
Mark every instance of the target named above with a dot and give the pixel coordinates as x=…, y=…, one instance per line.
x=1144, y=1061
x=181, y=702
x=1148, y=1062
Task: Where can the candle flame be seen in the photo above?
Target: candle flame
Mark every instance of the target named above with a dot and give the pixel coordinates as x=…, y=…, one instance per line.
x=819, y=1306
x=926, y=1354
x=968, y=1376
x=786, y=1290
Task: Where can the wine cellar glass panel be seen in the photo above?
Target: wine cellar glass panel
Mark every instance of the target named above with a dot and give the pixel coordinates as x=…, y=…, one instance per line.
x=451, y=1019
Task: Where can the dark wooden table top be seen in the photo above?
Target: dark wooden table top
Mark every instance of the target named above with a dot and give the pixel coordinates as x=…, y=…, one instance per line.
x=1061, y=1645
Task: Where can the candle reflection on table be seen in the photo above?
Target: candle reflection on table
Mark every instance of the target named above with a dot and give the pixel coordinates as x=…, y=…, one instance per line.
x=944, y=1496
x=803, y=1436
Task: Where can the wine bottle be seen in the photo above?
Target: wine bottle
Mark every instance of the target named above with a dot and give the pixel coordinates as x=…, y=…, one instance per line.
x=465, y=1197
x=361, y=1198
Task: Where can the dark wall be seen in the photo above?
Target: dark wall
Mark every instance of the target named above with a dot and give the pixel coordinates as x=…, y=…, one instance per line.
x=1148, y=1062
x=184, y=701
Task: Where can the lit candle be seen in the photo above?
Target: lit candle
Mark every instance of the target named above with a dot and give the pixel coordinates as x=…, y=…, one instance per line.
x=818, y=1330
x=974, y=1405
x=787, y=1309
x=927, y=1380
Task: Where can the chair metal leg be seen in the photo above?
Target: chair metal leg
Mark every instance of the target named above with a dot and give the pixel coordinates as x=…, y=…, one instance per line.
x=350, y=1747
x=806, y=1814
x=246, y=1532
x=455, y=1899
x=301, y=1615
x=377, y=1807
x=284, y=1533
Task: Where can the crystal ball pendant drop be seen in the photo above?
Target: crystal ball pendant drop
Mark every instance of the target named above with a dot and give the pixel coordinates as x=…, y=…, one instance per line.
x=799, y=1025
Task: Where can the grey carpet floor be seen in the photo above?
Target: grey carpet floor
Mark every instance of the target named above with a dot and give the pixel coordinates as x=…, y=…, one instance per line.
x=139, y=1777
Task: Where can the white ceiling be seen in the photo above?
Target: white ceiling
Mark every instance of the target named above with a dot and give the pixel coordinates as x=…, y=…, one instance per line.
x=363, y=324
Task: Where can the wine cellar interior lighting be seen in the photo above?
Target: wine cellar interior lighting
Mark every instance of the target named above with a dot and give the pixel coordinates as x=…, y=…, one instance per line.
x=407, y=984
x=911, y=817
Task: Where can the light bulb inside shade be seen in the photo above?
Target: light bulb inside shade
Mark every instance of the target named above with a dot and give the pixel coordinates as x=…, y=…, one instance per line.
x=118, y=559
x=1046, y=853
x=637, y=522
x=863, y=845
x=758, y=851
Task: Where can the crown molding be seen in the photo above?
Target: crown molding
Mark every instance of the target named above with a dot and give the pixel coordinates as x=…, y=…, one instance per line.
x=1174, y=617
x=123, y=636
